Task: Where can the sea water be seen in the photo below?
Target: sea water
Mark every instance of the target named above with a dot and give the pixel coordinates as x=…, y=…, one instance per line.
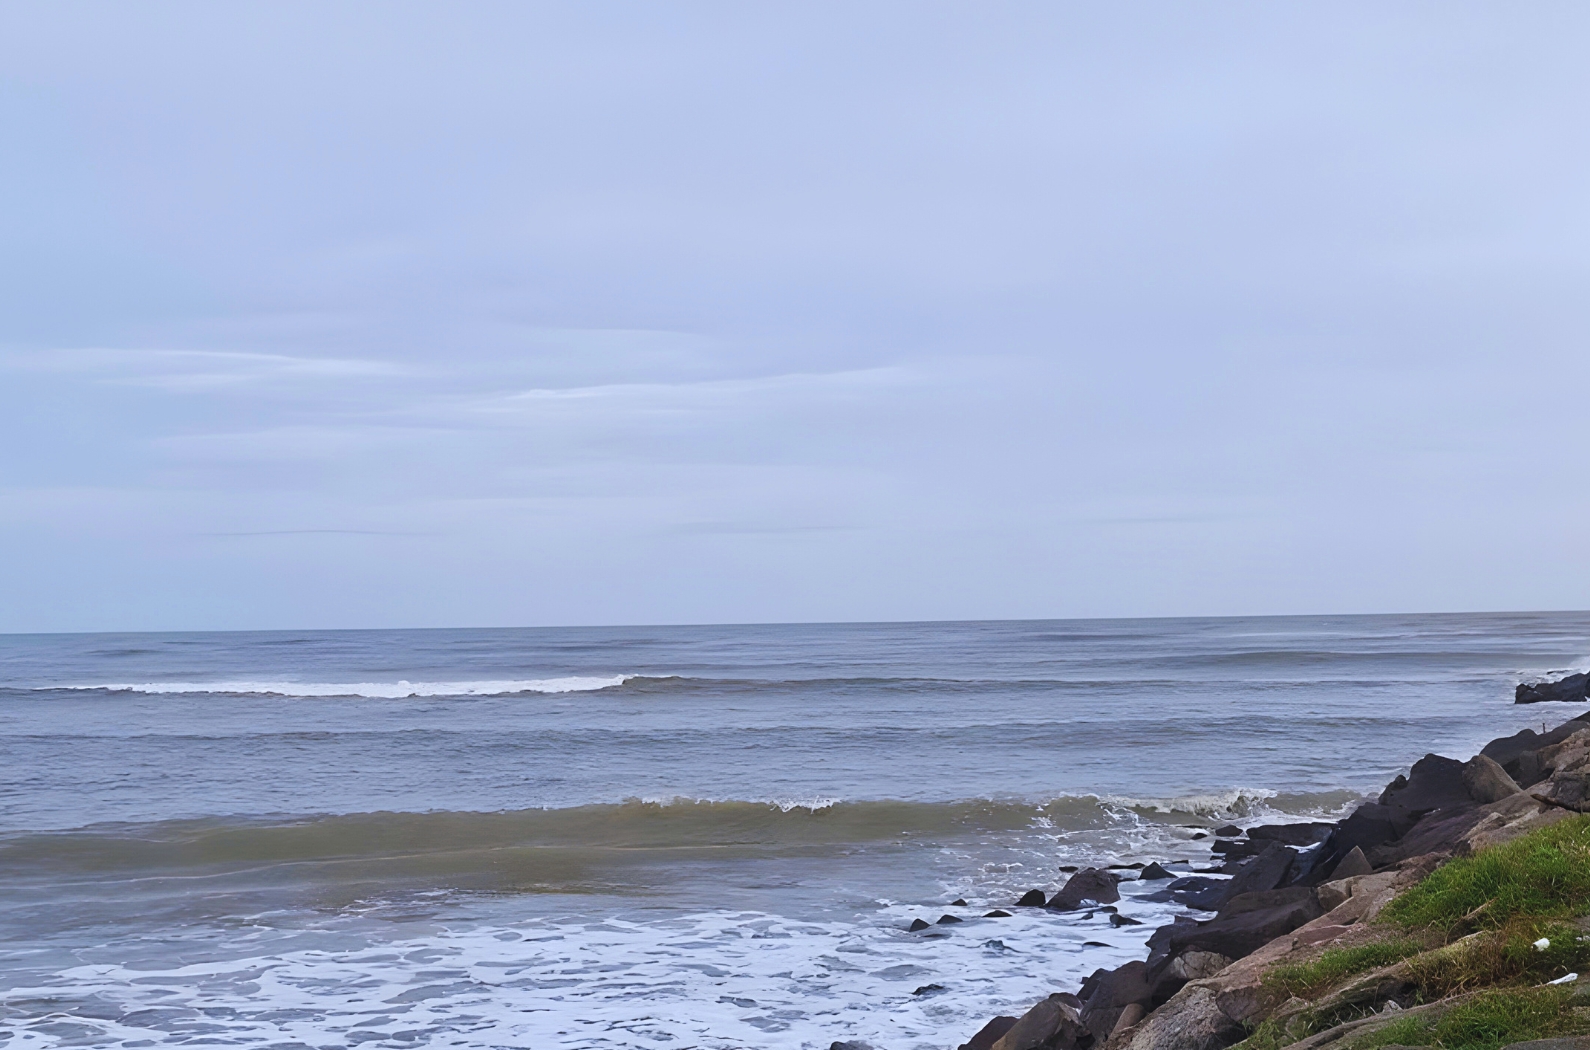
x=672, y=837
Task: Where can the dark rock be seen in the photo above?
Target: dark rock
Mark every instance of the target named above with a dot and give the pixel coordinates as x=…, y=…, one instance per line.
x=1246, y=922
x=1433, y=783
x=1305, y=834
x=1200, y=892
x=850, y=1044
x=1267, y=871
x=918, y=924
x=1228, y=831
x=1123, y=867
x=1088, y=884
x=929, y=989
x=1355, y=863
x=1106, y=992
x=997, y=913
x=989, y=1034
x=1370, y=825
x=1094, y=944
x=1503, y=749
x=1486, y=781
x=1570, y=689
x=1438, y=832
x=1567, y=791
x=1121, y=920
x=948, y=918
x=1155, y=872
x=1053, y=1022
x=1068, y=868
x=1236, y=849
x=1564, y=1042
x=958, y=902
x=1032, y=899
x=1200, y=835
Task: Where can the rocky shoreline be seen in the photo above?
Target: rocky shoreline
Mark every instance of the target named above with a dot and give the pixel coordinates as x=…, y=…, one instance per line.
x=1296, y=891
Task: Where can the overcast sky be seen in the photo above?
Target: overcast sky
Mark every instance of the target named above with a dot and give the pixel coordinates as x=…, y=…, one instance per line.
x=398, y=314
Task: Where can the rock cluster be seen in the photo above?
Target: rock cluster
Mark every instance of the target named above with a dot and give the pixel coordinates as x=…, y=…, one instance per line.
x=1295, y=887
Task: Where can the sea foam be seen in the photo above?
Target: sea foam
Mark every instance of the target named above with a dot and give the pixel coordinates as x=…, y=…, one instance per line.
x=400, y=689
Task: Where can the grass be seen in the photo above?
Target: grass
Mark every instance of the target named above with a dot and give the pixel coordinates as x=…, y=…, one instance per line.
x=1501, y=957
x=1488, y=1021
x=1304, y=979
x=1544, y=875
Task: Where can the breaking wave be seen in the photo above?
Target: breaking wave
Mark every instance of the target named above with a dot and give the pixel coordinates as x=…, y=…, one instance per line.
x=373, y=690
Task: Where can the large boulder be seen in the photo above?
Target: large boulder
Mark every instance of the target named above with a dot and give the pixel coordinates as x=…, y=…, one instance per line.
x=1052, y=1023
x=1486, y=781
x=1089, y=884
x=989, y=1034
x=1570, y=689
x=1519, y=754
x=1267, y=871
x=1108, y=992
x=1244, y=924
x=1191, y=1020
x=1434, y=782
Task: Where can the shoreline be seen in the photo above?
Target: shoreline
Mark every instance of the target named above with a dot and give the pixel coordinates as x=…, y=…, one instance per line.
x=1303, y=885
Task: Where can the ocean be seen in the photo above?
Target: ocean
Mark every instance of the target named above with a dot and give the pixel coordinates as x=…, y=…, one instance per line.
x=670, y=837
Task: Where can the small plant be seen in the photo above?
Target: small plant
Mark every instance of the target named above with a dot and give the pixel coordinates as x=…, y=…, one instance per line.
x=1544, y=875
x=1501, y=957
x=1305, y=979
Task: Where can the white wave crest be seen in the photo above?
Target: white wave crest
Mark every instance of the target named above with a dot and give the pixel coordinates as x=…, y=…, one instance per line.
x=372, y=690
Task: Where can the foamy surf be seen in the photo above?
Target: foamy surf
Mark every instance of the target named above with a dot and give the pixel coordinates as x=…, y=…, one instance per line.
x=398, y=690
x=714, y=981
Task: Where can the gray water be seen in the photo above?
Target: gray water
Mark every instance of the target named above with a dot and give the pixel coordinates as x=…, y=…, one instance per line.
x=662, y=836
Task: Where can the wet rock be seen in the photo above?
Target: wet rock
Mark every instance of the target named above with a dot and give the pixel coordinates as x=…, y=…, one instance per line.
x=1032, y=899
x=1235, y=849
x=850, y=1044
x=989, y=1034
x=1122, y=920
x=1228, y=831
x=929, y=989
x=1155, y=872
x=997, y=913
x=1088, y=884
x=1486, y=781
x=918, y=924
x=1570, y=689
x=958, y=902
x=1303, y=834
x=1265, y=872
x=1052, y=1022
x=948, y=919
x=1106, y=992
x=1199, y=835
x=1244, y=924
x=1068, y=868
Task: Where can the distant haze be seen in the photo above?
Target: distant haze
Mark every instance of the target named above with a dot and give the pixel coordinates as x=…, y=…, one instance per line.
x=398, y=314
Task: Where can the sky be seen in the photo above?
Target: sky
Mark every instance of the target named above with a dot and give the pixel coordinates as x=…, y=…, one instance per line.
x=327, y=315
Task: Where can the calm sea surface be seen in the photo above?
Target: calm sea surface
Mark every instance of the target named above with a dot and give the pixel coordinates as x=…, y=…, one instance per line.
x=680, y=837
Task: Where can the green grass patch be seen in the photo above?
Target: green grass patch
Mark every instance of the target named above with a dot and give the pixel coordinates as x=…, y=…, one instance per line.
x=1501, y=957
x=1305, y=979
x=1544, y=875
x=1268, y=1034
x=1485, y=1022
